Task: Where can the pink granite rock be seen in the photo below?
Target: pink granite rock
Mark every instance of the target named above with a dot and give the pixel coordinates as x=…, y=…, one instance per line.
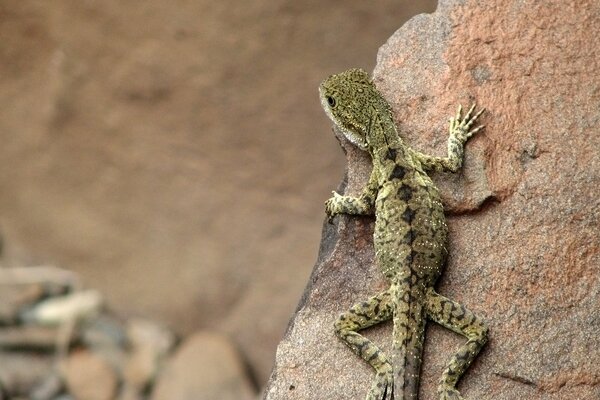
x=524, y=214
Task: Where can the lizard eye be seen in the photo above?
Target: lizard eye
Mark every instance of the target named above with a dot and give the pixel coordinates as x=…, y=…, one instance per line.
x=331, y=101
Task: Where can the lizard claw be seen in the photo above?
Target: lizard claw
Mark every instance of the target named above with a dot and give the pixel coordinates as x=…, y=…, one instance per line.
x=460, y=126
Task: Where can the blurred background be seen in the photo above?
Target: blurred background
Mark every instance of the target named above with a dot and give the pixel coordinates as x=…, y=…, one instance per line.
x=174, y=154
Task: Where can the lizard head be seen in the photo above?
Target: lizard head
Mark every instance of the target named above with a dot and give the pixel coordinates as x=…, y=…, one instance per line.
x=350, y=99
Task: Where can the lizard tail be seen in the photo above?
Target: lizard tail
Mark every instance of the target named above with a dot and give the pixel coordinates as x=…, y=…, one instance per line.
x=409, y=328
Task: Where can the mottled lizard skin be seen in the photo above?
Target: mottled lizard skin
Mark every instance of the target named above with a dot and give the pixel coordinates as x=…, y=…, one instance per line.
x=410, y=240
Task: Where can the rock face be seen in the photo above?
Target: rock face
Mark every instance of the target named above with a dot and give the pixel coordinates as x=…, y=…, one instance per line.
x=205, y=367
x=524, y=215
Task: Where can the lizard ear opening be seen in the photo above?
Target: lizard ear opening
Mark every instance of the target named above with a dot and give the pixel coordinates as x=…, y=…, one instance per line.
x=331, y=101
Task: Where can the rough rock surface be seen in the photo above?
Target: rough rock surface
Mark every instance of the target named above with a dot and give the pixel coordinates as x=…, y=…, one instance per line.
x=205, y=367
x=524, y=215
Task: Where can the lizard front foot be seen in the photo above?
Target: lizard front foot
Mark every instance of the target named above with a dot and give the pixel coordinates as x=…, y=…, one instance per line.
x=333, y=206
x=460, y=127
x=383, y=386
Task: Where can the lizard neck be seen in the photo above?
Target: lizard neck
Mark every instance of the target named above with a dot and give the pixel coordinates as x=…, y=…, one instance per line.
x=388, y=150
x=382, y=136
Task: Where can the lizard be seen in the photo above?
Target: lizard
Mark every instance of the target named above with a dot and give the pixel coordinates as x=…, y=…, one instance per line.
x=410, y=240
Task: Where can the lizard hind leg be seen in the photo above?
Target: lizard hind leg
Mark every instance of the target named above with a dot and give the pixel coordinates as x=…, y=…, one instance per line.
x=362, y=315
x=459, y=319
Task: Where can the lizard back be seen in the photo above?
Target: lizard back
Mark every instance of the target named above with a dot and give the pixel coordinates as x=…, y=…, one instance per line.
x=410, y=226
x=410, y=243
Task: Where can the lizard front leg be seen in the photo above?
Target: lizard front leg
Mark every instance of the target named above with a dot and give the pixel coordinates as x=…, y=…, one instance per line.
x=460, y=132
x=362, y=315
x=363, y=205
x=459, y=319
x=339, y=204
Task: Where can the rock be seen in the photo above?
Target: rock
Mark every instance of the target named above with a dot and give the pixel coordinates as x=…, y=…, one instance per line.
x=64, y=397
x=68, y=308
x=30, y=337
x=48, y=388
x=146, y=333
x=14, y=299
x=524, y=222
x=105, y=335
x=149, y=344
x=53, y=279
x=89, y=377
x=205, y=367
x=103, y=331
x=128, y=392
x=20, y=372
x=20, y=287
x=141, y=367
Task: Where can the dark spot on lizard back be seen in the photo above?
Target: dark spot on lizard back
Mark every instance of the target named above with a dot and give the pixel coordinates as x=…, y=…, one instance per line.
x=391, y=154
x=405, y=192
x=409, y=237
x=398, y=172
x=408, y=215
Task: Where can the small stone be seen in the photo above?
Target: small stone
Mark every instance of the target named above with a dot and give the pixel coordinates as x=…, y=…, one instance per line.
x=21, y=372
x=64, y=397
x=29, y=337
x=21, y=287
x=142, y=333
x=149, y=345
x=54, y=280
x=205, y=367
x=129, y=393
x=71, y=307
x=141, y=367
x=14, y=298
x=106, y=336
x=48, y=388
x=89, y=377
x=103, y=331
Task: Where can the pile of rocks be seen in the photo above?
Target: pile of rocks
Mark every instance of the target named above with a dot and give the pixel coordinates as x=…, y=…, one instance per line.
x=58, y=341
